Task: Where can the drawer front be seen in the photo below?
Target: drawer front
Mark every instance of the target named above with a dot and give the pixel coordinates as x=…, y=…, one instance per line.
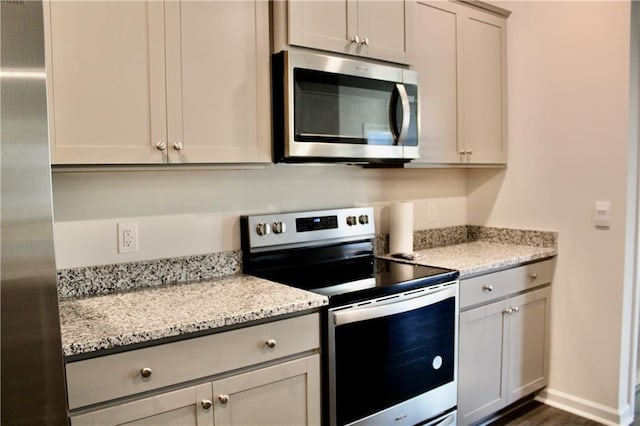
x=493, y=286
x=113, y=376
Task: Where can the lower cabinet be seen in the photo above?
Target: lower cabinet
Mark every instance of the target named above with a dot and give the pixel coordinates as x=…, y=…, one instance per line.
x=267, y=374
x=283, y=394
x=189, y=406
x=504, y=343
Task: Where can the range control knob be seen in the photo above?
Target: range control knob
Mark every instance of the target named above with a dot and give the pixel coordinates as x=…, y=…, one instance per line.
x=351, y=220
x=279, y=227
x=263, y=228
x=363, y=219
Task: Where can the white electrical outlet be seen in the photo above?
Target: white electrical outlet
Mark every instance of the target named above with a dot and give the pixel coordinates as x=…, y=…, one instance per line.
x=128, y=237
x=432, y=213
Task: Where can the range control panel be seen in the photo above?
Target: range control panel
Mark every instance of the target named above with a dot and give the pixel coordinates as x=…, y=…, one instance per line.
x=263, y=231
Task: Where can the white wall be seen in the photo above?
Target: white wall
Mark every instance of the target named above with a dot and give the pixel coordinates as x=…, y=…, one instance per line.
x=184, y=212
x=568, y=144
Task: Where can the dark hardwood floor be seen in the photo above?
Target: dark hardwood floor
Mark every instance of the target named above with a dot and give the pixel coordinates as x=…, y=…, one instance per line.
x=536, y=413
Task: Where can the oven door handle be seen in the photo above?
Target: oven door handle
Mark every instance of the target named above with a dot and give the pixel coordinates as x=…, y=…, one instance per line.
x=392, y=306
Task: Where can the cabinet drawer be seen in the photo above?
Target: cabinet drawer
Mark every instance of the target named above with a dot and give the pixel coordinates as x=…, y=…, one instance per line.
x=114, y=376
x=493, y=286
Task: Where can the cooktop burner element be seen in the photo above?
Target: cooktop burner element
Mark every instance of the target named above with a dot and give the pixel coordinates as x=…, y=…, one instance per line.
x=330, y=252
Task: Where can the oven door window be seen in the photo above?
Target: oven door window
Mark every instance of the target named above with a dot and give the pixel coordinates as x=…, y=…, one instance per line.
x=343, y=109
x=383, y=361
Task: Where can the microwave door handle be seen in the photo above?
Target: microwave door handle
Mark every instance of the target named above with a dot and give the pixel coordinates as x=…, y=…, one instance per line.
x=406, y=113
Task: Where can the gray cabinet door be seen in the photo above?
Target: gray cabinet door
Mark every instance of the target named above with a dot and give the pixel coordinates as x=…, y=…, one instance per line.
x=481, y=382
x=484, y=81
x=105, y=81
x=528, y=343
x=372, y=29
x=184, y=407
x=283, y=394
x=460, y=55
x=436, y=59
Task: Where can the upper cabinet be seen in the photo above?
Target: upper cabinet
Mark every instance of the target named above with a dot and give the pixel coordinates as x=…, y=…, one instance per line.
x=372, y=29
x=141, y=82
x=460, y=55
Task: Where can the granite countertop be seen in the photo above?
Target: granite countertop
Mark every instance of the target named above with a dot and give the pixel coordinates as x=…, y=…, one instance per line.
x=481, y=257
x=130, y=314
x=110, y=321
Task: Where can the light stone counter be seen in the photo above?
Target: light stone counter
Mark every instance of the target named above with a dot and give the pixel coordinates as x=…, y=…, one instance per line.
x=481, y=257
x=114, y=320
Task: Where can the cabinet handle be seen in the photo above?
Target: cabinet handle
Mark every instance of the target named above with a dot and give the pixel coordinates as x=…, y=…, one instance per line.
x=271, y=343
x=161, y=146
x=223, y=398
x=488, y=288
x=469, y=151
x=177, y=146
x=533, y=275
x=206, y=404
x=508, y=311
x=355, y=39
x=462, y=152
x=516, y=310
x=146, y=372
x=365, y=41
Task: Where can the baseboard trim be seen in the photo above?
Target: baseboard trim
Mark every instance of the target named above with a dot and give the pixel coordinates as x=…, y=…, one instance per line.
x=585, y=408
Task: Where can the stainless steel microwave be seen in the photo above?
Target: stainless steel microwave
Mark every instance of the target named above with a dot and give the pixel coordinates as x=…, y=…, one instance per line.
x=333, y=109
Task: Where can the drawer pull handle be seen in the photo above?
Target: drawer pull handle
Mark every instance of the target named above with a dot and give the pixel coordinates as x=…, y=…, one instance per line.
x=533, y=275
x=271, y=343
x=508, y=311
x=516, y=310
x=146, y=372
x=223, y=398
x=206, y=404
x=488, y=288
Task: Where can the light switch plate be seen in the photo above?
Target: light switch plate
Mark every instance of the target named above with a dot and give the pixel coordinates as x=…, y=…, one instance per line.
x=602, y=214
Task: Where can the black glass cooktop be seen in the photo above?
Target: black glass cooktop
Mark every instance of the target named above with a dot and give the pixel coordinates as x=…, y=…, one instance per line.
x=353, y=280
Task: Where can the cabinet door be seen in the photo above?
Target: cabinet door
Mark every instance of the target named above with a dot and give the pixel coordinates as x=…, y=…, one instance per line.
x=481, y=362
x=343, y=26
x=284, y=394
x=326, y=25
x=178, y=408
x=218, y=81
x=528, y=343
x=381, y=26
x=483, y=80
x=106, y=92
x=436, y=59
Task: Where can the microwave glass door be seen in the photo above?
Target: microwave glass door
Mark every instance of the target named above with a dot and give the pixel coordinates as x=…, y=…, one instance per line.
x=344, y=109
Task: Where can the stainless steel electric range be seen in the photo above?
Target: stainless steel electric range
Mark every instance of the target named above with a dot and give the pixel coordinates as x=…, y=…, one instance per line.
x=390, y=330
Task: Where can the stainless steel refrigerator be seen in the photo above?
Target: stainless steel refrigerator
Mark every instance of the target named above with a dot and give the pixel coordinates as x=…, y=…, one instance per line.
x=32, y=372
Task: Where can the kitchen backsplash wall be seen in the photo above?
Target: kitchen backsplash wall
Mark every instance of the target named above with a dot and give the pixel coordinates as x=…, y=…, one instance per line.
x=104, y=279
x=190, y=212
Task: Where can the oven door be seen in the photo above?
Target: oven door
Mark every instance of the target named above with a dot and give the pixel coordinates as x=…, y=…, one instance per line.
x=393, y=360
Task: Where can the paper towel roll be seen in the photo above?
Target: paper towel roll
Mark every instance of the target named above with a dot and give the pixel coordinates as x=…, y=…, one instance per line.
x=401, y=228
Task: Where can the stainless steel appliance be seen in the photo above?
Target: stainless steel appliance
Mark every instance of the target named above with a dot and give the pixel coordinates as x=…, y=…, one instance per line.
x=33, y=385
x=390, y=330
x=329, y=108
